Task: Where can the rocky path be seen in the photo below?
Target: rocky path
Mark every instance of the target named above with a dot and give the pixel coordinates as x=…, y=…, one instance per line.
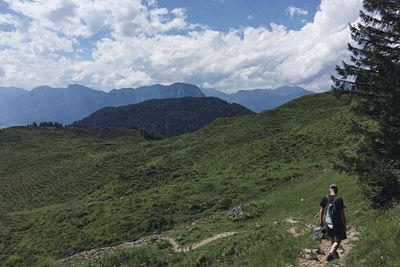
x=98, y=253
x=309, y=257
x=316, y=257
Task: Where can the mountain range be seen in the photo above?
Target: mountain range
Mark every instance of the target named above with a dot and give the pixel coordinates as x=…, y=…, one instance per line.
x=66, y=105
x=259, y=100
x=165, y=117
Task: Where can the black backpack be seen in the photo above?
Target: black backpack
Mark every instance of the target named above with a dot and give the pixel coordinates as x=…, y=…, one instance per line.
x=330, y=213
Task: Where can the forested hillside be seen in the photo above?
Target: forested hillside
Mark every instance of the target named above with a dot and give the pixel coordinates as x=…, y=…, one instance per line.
x=165, y=117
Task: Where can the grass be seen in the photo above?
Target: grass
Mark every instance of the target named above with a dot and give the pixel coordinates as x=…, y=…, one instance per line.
x=67, y=190
x=50, y=165
x=262, y=241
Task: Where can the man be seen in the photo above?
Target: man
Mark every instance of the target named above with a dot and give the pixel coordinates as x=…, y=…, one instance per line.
x=332, y=218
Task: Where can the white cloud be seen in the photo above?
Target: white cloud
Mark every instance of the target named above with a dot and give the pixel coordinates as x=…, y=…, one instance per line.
x=134, y=42
x=250, y=16
x=293, y=11
x=152, y=3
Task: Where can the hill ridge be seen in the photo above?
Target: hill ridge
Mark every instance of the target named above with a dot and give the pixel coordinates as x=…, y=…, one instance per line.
x=167, y=117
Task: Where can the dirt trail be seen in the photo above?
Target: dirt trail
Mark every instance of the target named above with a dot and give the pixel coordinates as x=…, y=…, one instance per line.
x=317, y=257
x=98, y=253
x=178, y=248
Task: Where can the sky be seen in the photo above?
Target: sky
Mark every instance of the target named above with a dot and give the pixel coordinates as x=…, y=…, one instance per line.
x=229, y=45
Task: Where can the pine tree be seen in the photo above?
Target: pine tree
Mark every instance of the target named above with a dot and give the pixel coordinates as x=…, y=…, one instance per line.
x=373, y=79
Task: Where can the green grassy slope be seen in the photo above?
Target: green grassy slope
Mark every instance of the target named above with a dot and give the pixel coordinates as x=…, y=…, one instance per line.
x=42, y=166
x=118, y=189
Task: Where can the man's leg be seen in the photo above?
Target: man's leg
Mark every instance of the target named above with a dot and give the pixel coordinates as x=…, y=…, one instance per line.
x=335, y=244
x=333, y=253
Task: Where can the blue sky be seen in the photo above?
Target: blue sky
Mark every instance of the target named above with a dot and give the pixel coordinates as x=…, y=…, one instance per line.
x=229, y=45
x=225, y=14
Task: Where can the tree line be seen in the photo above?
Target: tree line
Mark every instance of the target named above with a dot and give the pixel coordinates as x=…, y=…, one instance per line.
x=45, y=124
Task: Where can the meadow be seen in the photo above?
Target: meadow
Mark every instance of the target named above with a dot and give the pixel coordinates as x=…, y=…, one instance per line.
x=66, y=190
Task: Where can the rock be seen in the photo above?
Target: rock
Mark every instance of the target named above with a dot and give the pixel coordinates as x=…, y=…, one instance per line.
x=291, y=221
x=355, y=239
x=293, y=231
x=312, y=251
x=312, y=257
x=238, y=210
x=310, y=254
x=319, y=233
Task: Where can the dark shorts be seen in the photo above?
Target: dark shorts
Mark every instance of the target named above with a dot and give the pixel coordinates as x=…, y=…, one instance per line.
x=337, y=233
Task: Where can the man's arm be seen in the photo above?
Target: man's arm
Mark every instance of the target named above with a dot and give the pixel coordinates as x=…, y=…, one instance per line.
x=321, y=217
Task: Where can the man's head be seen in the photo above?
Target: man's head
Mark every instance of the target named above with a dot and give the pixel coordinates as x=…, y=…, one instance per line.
x=333, y=189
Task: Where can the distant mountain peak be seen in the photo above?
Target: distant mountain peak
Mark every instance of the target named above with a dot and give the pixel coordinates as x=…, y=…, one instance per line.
x=65, y=105
x=290, y=90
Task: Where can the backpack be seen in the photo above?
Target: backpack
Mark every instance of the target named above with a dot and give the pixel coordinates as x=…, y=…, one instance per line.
x=330, y=213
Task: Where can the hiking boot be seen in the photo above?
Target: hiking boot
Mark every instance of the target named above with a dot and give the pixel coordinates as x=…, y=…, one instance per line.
x=332, y=256
x=336, y=254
